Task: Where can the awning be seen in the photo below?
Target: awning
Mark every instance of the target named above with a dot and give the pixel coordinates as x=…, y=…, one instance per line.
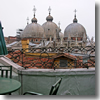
x=3, y=49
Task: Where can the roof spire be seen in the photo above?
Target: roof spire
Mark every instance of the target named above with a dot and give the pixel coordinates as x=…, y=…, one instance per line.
x=34, y=10
x=49, y=18
x=75, y=20
x=75, y=12
x=49, y=10
x=34, y=19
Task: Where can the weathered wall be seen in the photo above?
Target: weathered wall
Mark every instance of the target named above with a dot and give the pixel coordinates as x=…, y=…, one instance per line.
x=79, y=81
x=74, y=82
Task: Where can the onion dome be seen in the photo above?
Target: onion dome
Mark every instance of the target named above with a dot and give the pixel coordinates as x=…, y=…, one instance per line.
x=49, y=18
x=75, y=20
x=33, y=30
x=50, y=28
x=34, y=20
x=75, y=30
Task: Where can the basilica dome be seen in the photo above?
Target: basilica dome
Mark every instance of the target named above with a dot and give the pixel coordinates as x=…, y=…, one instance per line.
x=33, y=30
x=50, y=28
x=75, y=30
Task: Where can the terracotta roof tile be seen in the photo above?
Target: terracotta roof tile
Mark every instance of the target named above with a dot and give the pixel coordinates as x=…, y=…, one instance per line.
x=38, y=62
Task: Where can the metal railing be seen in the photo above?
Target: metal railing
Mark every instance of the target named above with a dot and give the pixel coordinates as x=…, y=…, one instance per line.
x=48, y=57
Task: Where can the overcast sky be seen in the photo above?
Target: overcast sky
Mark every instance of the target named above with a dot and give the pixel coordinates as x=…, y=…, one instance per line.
x=13, y=13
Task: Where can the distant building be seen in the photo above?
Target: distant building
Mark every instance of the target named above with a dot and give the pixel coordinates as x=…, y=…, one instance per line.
x=49, y=35
x=74, y=34
x=10, y=39
x=41, y=46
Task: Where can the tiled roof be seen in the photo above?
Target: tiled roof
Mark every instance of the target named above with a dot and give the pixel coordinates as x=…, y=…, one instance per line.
x=38, y=62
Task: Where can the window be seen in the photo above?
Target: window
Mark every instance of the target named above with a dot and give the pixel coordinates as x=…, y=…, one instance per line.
x=63, y=63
